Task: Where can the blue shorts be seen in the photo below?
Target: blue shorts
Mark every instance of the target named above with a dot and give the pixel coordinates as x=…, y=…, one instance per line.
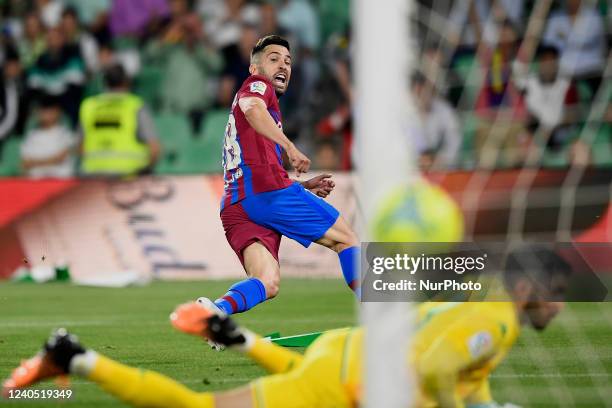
x=293, y=212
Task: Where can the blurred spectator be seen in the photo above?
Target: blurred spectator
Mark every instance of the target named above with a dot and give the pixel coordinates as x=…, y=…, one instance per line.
x=335, y=16
x=466, y=29
x=117, y=131
x=47, y=149
x=189, y=63
x=268, y=19
x=551, y=97
x=326, y=156
x=81, y=39
x=431, y=65
x=106, y=58
x=299, y=19
x=237, y=59
x=169, y=28
x=338, y=56
x=499, y=106
x=93, y=16
x=578, y=32
x=579, y=154
x=91, y=13
x=223, y=19
x=436, y=136
x=9, y=92
x=339, y=121
x=340, y=93
x=59, y=71
x=130, y=18
x=32, y=43
x=50, y=12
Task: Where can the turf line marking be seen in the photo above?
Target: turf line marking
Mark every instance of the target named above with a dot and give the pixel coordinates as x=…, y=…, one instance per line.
x=557, y=375
x=62, y=323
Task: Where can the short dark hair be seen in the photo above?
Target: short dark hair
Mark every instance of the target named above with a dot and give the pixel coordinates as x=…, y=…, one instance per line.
x=535, y=262
x=46, y=101
x=269, y=40
x=418, y=78
x=115, y=76
x=71, y=12
x=546, y=49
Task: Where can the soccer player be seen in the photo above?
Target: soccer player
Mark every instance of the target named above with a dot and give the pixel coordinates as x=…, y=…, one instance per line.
x=456, y=347
x=261, y=203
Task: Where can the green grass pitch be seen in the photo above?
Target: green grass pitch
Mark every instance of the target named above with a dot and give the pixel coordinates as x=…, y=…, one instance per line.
x=568, y=365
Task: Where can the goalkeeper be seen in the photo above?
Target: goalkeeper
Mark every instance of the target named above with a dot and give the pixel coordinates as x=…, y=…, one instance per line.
x=456, y=347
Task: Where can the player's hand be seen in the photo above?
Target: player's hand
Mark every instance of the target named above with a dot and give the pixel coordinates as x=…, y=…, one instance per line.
x=320, y=185
x=298, y=160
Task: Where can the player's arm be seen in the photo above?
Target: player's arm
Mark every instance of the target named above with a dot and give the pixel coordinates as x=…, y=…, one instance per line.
x=320, y=185
x=481, y=398
x=453, y=352
x=259, y=118
x=438, y=370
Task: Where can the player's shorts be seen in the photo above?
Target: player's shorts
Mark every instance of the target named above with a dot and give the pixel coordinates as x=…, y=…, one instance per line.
x=241, y=232
x=293, y=212
x=318, y=381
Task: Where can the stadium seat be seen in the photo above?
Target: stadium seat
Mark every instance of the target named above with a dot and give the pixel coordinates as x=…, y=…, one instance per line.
x=602, y=147
x=174, y=134
x=468, y=154
x=10, y=162
x=334, y=16
x=557, y=158
x=468, y=74
x=211, y=140
x=147, y=84
x=200, y=158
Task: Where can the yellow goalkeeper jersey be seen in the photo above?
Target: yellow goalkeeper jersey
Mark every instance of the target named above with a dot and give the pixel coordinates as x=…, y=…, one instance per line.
x=455, y=348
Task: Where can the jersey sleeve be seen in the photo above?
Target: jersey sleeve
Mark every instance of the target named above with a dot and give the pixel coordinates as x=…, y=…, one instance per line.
x=456, y=349
x=257, y=88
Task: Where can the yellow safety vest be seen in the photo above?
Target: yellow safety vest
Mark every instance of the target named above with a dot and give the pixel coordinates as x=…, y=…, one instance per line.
x=110, y=143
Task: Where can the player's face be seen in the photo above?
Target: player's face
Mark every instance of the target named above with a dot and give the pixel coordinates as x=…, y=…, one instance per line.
x=546, y=303
x=275, y=64
x=541, y=313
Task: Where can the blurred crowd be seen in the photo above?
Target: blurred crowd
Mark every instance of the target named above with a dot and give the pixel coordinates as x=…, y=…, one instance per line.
x=527, y=80
x=183, y=57
x=501, y=82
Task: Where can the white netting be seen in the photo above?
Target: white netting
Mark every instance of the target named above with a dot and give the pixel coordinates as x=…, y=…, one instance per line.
x=530, y=178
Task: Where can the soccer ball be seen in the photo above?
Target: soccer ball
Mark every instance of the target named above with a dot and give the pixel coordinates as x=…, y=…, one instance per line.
x=421, y=212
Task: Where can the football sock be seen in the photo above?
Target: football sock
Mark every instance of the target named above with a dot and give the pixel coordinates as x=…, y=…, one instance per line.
x=242, y=296
x=349, y=261
x=275, y=359
x=142, y=388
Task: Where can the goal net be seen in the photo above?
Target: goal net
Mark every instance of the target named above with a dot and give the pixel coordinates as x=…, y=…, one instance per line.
x=491, y=101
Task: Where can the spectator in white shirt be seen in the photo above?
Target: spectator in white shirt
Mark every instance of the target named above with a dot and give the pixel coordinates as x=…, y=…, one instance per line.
x=223, y=19
x=436, y=136
x=578, y=32
x=47, y=150
x=551, y=97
